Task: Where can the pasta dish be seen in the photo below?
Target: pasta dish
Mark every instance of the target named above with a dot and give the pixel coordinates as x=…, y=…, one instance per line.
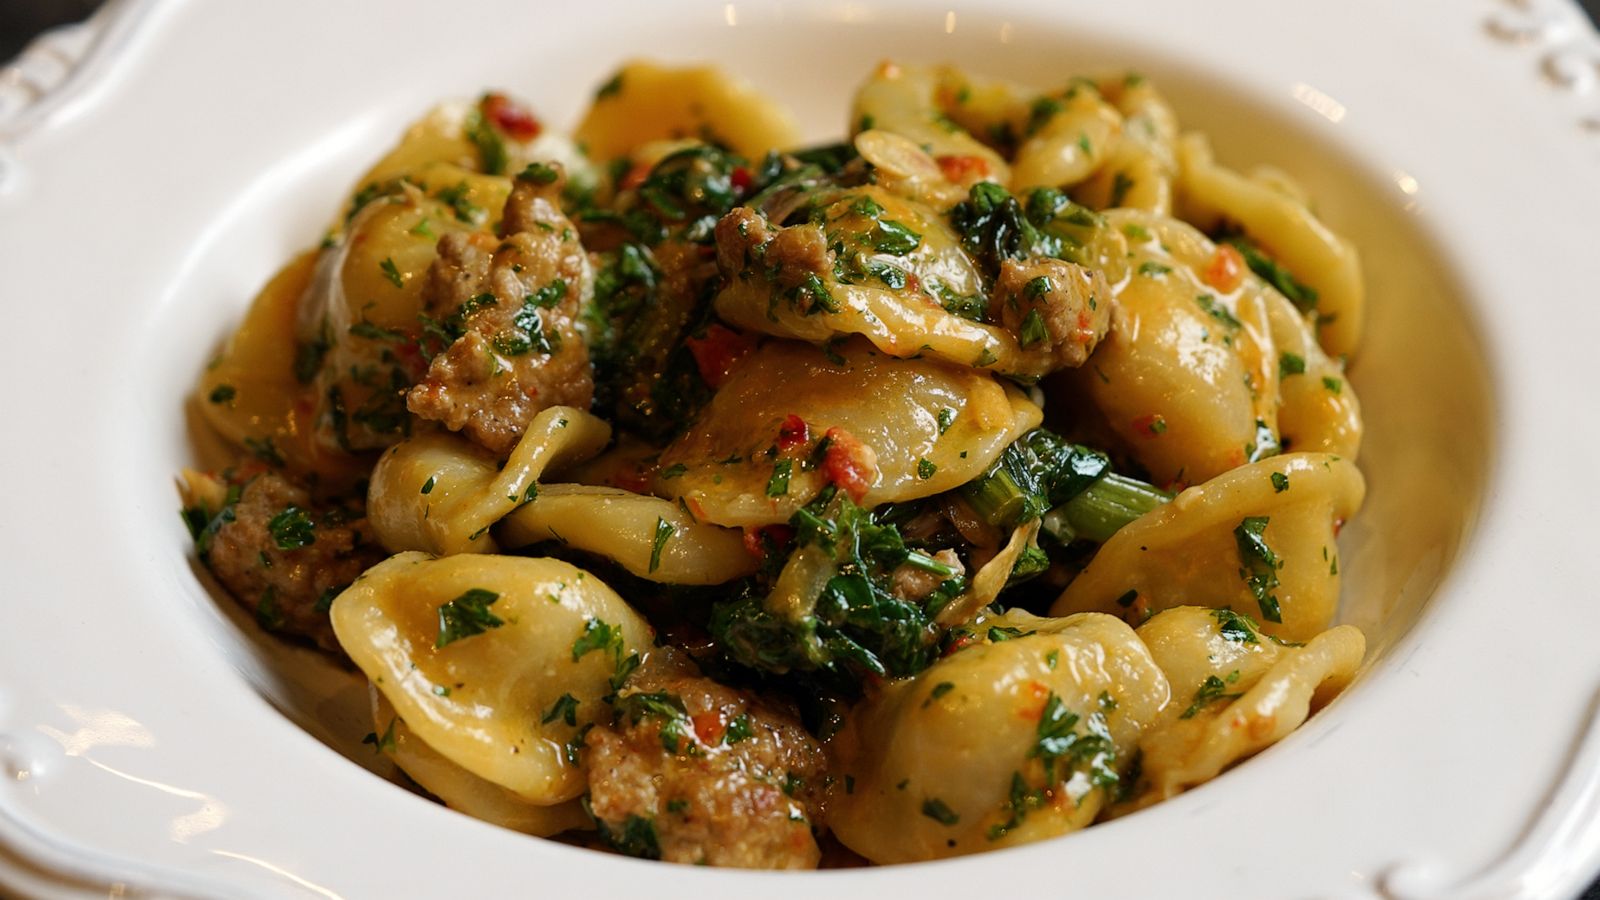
x=681, y=491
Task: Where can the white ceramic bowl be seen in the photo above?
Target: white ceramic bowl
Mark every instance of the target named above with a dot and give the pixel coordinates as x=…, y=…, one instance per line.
x=151, y=738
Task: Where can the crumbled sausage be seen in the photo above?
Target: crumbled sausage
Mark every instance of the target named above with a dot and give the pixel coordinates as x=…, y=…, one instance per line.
x=1072, y=302
x=517, y=301
x=283, y=557
x=711, y=775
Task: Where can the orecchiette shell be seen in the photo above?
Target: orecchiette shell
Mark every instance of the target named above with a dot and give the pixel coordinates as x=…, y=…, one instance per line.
x=481, y=700
x=650, y=537
x=1186, y=552
x=919, y=741
x=890, y=405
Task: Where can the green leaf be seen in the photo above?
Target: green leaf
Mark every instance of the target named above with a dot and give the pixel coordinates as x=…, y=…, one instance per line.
x=466, y=616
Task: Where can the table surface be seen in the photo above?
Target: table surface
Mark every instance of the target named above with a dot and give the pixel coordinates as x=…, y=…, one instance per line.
x=20, y=20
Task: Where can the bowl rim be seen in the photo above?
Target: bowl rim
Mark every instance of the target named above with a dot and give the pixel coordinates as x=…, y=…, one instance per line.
x=196, y=821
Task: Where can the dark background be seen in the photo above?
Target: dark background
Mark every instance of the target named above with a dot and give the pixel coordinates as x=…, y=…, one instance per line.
x=20, y=20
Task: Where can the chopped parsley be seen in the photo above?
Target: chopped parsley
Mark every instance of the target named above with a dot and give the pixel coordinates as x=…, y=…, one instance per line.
x=1280, y=482
x=292, y=529
x=939, y=811
x=392, y=272
x=222, y=393
x=1210, y=691
x=1291, y=364
x=778, y=484
x=1032, y=330
x=427, y=486
x=1259, y=565
x=386, y=742
x=926, y=468
x=1153, y=268
x=739, y=730
x=945, y=418
x=1235, y=627
x=664, y=532
x=1334, y=385
x=467, y=615
x=538, y=173
x=565, y=708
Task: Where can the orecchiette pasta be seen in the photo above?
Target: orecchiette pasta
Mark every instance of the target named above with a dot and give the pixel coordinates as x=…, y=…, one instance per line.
x=472, y=650
x=887, y=420
x=700, y=492
x=1008, y=741
x=1260, y=537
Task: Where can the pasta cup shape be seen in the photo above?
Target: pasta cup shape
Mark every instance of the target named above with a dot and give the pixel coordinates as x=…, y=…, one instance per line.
x=440, y=493
x=475, y=651
x=461, y=790
x=1008, y=741
x=1261, y=538
x=652, y=538
x=1235, y=692
x=794, y=417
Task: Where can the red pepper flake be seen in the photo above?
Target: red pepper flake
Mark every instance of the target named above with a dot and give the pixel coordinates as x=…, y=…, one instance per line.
x=847, y=464
x=1035, y=694
x=1226, y=270
x=793, y=432
x=634, y=479
x=719, y=352
x=758, y=541
x=709, y=727
x=962, y=641
x=516, y=120
x=1150, y=425
x=962, y=169
x=741, y=179
x=635, y=177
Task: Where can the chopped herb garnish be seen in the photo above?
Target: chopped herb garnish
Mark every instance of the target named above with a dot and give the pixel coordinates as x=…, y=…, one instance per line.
x=1032, y=330
x=292, y=529
x=467, y=615
x=926, y=468
x=1334, y=385
x=392, y=272
x=778, y=484
x=1259, y=565
x=945, y=418
x=380, y=744
x=1210, y=691
x=739, y=729
x=1280, y=482
x=427, y=486
x=1153, y=268
x=664, y=532
x=937, y=810
x=1291, y=364
x=565, y=708
x=222, y=393
x=1234, y=626
x=538, y=173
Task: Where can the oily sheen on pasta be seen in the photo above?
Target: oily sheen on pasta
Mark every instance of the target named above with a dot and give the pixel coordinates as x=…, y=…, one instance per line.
x=681, y=491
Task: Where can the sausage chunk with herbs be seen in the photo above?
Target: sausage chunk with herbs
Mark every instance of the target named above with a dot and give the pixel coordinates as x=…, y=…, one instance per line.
x=281, y=556
x=511, y=307
x=1055, y=304
x=694, y=772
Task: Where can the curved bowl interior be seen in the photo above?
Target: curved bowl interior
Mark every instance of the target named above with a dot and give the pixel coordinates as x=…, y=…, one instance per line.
x=1420, y=371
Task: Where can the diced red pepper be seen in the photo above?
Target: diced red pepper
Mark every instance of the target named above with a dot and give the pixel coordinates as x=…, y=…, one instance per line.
x=1150, y=425
x=793, y=432
x=1035, y=694
x=1226, y=270
x=709, y=727
x=846, y=463
x=719, y=352
x=962, y=169
x=635, y=177
x=741, y=179
x=511, y=117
